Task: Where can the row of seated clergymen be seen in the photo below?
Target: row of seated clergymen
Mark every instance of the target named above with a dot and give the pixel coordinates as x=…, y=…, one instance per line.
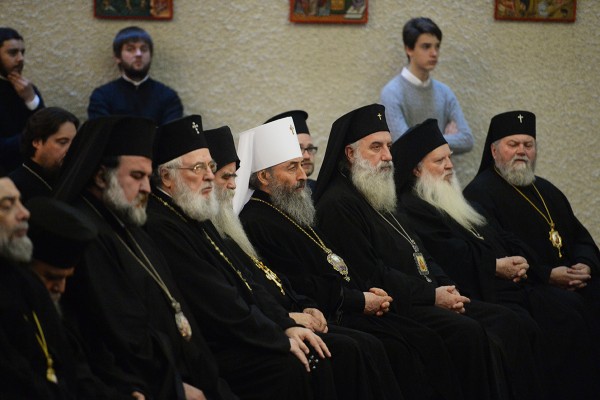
x=204, y=272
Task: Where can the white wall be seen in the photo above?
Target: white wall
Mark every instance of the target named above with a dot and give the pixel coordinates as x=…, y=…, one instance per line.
x=240, y=62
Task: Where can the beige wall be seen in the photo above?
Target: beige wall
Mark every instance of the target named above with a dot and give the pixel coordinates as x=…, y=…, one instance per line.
x=240, y=62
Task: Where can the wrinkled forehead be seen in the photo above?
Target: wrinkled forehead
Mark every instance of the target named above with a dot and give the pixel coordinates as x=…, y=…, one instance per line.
x=8, y=189
x=383, y=137
x=518, y=138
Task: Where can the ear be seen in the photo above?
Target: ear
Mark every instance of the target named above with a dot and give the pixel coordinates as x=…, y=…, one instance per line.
x=100, y=178
x=166, y=179
x=37, y=143
x=416, y=171
x=349, y=153
x=494, y=151
x=263, y=177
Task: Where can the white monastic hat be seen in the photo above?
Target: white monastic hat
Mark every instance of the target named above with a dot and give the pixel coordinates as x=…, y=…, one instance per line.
x=263, y=147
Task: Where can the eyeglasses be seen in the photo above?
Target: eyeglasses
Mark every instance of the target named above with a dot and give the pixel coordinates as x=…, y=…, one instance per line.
x=312, y=150
x=201, y=167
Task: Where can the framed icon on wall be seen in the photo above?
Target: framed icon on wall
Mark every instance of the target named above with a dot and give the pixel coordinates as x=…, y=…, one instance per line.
x=329, y=11
x=134, y=9
x=536, y=10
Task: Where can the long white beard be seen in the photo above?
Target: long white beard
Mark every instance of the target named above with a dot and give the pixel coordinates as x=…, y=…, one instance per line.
x=518, y=174
x=375, y=183
x=297, y=205
x=114, y=198
x=18, y=249
x=228, y=223
x=192, y=203
x=448, y=197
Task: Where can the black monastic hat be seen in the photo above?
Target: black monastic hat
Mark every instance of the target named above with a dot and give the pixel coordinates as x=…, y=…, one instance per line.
x=58, y=231
x=179, y=137
x=412, y=147
x=503, y=125
x=97, y=139
x=299, y=118
x=346, y=130
x=222, y=147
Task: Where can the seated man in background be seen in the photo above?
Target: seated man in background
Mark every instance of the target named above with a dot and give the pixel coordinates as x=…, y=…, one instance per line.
x=46, y=139
x=19, y=98
x=306, y=145
x=380, y=382
x=136, y=328
x=492, y=264
x=135, y=93
x=535, y=210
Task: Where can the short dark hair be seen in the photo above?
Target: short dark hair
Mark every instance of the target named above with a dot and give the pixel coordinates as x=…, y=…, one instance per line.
x=43, y=124
x=8, y=34
x=416, y=27
x=128, y=35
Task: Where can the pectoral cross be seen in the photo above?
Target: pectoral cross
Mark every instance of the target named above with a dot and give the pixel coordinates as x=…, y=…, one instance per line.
x=195, y=127
x=379, y=115
x=292, y=129
x=520, y=118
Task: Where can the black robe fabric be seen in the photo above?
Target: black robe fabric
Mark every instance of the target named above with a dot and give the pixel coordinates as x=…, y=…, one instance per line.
x=29, y=184
x=13, y=116
x=244, y=326
x=417, y=355
x=22, y=362
x=151, y=99
x=377, y=381
x=514, y=214
x=125, y=320
x=548, y=308
x=373, y=245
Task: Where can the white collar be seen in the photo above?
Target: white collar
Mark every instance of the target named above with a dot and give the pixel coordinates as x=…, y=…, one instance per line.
x=412, y=78
x=135, y=83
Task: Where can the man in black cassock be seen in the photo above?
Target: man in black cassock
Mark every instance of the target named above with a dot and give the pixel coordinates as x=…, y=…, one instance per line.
x=35, y=361
x=535, y=210
x=19, y=98
x=493, y=265
x=135, y=92
x=123, y=299
x=356, y=201
x=380, y=382
x=259, y=349
x=278, y=217
x=44, y=144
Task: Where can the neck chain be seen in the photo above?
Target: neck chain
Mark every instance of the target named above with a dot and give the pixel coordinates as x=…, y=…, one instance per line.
x=41, y=338
x=36, y=175
x=181, y=321
x=417, y=255
x=217, y=249
x=554, y=236
x=333, y=259
x=272, y=276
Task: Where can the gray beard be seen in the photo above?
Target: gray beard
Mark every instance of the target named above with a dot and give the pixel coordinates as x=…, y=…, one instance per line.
x=522, y=175
x=375, y=183
x=193, y=204
x=448, y=198
x=114, y=198
x=15, y=249
x=228, y=223
x=297, y=205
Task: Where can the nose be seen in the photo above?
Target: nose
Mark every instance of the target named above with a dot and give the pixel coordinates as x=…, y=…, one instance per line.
x=386, y=155
x=305, y=154
x=209, y=176
x=301, y=175
x=145, y=186
x=449, y=164
x=59, y=286
x=231, y=184
x=22, y=213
